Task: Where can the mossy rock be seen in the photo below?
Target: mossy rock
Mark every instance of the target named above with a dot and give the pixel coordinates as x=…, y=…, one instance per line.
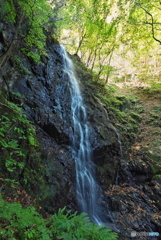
x=152, y=92
x=156, y=168
x=157, y=178
x=157, y=109
x=135, y=116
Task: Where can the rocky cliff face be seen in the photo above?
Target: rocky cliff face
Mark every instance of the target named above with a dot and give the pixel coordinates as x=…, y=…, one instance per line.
x=45, y=99
x=47, y=103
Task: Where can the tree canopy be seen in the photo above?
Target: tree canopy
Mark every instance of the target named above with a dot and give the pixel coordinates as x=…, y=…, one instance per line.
x=103, y=33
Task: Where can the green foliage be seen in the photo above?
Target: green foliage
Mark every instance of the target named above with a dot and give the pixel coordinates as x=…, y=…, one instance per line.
x=25, y=224
x=14, y=129
x=10, y=145
x=20, y=159
x=19, y=63
x=19, y=223
x=158, y=177
x=31, y=18
x=135, y=116
x=111, y=88
x=146, y=13
x=121, y=110
x=155, y=167
x=121, y=116
x=95, y=29
x=157, y=109
x=140, y=109
x=72, y=226
x=8, y=11
x=96, y=40
x=155, y=86
x=152, y=92
x=157, y=132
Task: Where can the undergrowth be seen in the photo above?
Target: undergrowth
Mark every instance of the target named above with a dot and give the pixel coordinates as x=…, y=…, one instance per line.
x=25, y=223
x=122, y=111
x=15, y=131
x=20, y=159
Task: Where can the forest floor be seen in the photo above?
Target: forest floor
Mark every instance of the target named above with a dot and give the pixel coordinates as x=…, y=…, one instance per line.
x=149, y=129
x=140, y=201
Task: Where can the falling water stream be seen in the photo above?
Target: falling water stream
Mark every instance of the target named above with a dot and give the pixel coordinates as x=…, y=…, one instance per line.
x=86, y=187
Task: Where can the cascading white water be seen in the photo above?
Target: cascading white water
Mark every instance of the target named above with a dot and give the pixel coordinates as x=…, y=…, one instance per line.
x=86, y=186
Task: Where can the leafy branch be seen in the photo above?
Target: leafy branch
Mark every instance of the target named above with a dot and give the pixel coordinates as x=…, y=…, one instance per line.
x=152, y=23
x=30, y=18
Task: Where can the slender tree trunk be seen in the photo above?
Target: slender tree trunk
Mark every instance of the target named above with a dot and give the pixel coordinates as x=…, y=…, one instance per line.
x=109, y=62
x=89, y=58
x=80, y=43
x=94, y=58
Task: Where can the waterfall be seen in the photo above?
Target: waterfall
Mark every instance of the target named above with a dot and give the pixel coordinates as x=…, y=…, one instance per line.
x=86, y=186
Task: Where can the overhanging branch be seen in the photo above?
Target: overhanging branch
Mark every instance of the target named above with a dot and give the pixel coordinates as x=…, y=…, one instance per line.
x=152, y=22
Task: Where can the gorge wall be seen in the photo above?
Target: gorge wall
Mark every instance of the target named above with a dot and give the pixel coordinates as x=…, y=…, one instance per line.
x=46, y=102
x=45, y=99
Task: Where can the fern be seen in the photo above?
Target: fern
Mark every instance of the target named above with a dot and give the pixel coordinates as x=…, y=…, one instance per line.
x=14, y=128
x=69, y=226
x=25, y=224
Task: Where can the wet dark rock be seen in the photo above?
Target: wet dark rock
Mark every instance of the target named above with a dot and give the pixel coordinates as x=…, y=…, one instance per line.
x=46, y=101
x=133, y=210
x=140, y=171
